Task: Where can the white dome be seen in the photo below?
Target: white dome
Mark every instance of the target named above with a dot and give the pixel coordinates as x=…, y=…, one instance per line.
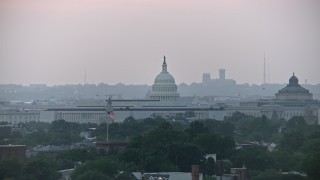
x=164, y=87
x=164, y=77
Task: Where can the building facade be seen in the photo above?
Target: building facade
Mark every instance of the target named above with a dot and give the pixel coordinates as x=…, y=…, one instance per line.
x=14, y=116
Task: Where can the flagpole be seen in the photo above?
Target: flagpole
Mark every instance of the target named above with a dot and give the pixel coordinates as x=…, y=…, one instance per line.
x=109, y=115
x=107, y=124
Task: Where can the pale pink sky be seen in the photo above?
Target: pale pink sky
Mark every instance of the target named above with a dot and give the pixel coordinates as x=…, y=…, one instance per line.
x=56, y=41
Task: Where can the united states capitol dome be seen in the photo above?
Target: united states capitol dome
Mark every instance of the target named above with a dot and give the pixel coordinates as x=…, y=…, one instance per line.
x=164, y=87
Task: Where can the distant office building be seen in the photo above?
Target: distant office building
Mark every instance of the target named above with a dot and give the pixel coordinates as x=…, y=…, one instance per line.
x=221, y=81
x=14, y=116
x=164, y=88
x=222, y=74
x=206, y=78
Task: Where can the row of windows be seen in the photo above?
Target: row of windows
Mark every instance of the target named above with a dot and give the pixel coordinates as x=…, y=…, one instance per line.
x=284, y=115
x=164, y=89
x=20, y=117
x=75, y=117
x=164, y=98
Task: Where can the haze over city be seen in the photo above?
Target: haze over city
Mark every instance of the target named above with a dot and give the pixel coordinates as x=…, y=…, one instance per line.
x=57, y=41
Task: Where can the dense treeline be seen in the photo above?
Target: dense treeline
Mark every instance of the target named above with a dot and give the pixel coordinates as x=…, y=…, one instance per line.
x=160, y=145
x=41, y=133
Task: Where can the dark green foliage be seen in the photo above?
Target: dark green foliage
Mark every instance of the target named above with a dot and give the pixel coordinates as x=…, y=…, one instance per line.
x=214, y=144
x=293, y=177
x=311, y=165
x=57, y=133
x=67, y=160
x=185, y=155
x=222, y=128
x=292, y=140
x=102, y=168
x=249, y=128
x=159, y=145
x=41, y=168
x=297, y=122
x=267, y=175
x=150, y=152
x=196, y=128
x=311, y=146
x=35, y=126
x=92, y=175
x=125, y=176
x=208, y=167
x=5, y=132
x=286, y=161
x=62, y=132
x=128, y=128
x=10, y=169
x=166, y=148
x=254, y=158
x=81, y=155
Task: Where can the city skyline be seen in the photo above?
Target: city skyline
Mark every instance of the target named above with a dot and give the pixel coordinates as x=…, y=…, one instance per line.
x=58, y=42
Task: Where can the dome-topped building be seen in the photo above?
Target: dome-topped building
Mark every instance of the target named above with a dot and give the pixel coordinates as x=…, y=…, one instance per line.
x=164, y=87
x=293, y=91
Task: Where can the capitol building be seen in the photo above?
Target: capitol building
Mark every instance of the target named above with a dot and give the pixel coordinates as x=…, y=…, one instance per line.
x=164, y=88
x=163, y=99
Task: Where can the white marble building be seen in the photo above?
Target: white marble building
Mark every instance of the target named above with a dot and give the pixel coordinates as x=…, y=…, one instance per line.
x=164, y=88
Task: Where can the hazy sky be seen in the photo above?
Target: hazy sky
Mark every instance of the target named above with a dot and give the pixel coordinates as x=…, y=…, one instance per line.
x=123, y=41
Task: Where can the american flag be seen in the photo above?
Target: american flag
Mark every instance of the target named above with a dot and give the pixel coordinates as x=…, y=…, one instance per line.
x=111, y=116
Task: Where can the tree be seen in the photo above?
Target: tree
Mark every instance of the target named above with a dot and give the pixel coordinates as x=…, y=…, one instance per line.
x=92, y=175
x=10, y=169
x=196, y=128
x=267, y=175
x=41, y=168
x=292, y=140
x=62, y=132
x=297, y=122
x=311, y=146
x=209, y=166
x=184, y=155
x=98, y=169
x=253, y=157
x=311, y=165
x=5, y=132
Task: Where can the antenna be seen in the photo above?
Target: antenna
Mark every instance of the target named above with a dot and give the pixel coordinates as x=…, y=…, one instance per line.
x=264, y=68
x=85, y=77
x=268, y=73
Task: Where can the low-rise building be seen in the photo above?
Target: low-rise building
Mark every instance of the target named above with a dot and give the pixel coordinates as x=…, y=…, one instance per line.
x=13, y=152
